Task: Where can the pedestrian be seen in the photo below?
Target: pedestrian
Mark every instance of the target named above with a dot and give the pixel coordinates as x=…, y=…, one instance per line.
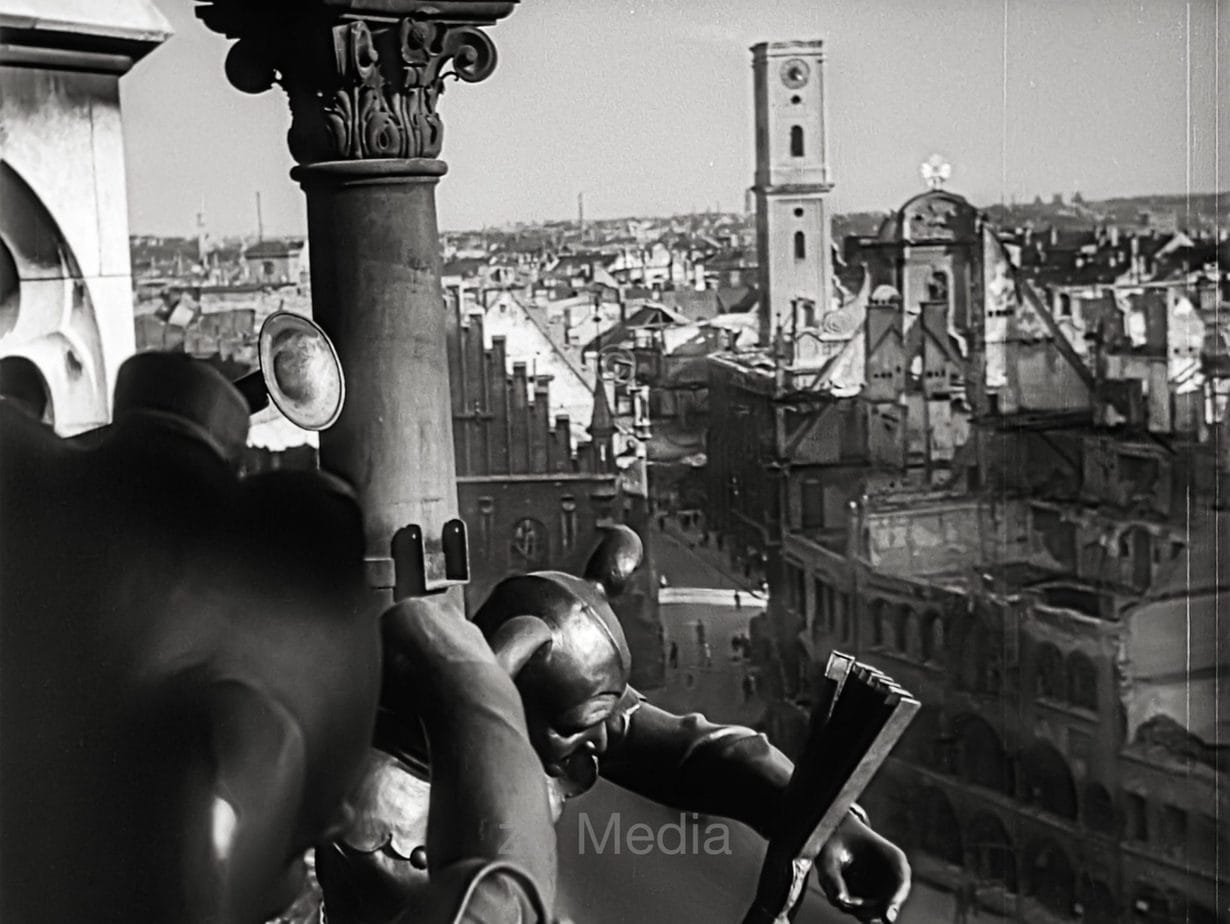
x=738, y=601
x=749, y=687
x=661, y=523
x=673, y=657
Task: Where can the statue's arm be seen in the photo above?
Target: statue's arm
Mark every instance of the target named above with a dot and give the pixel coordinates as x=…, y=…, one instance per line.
x=489, y=823
x=694, y=765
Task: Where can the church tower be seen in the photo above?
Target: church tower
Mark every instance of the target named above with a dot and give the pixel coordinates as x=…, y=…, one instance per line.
x=792, y=178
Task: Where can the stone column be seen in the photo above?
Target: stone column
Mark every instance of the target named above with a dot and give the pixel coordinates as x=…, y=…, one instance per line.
x=363, y=78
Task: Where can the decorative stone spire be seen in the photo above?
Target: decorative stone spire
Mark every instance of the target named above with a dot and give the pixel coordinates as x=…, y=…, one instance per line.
x=363, y=76
x=602, y=429
x=602, y=424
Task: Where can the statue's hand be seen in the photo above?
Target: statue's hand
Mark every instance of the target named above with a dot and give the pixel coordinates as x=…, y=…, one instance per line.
x=862, y=873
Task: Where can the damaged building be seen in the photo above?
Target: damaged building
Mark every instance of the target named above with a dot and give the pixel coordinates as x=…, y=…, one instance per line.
x=1025, y=536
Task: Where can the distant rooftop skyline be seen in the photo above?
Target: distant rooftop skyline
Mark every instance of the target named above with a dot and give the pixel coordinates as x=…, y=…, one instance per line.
x=645, y=106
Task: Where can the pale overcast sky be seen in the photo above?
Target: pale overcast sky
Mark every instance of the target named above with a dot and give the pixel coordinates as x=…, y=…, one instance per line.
x=645, y=106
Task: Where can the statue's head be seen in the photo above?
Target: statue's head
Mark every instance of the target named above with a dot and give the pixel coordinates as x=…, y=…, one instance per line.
x=561, y=640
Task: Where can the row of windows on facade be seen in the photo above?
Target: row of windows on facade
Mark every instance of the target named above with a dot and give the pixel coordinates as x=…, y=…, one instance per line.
x=1043, y=870
x=529, y=542
x=1039, y=776
x=901, y=631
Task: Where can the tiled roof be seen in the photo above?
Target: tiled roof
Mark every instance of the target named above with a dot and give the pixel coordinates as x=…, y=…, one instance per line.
x=274, y=249
x=737, y=299
x=463, y=266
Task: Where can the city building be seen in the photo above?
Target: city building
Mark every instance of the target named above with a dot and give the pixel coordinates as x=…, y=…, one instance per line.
x=533, y=497
x=1024, y=538
x=277, y=262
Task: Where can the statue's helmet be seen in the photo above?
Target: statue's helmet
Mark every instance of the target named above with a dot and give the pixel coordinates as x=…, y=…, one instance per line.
x=578, y=669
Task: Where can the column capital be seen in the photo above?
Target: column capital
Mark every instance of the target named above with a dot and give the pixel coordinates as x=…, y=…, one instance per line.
x=363, y=76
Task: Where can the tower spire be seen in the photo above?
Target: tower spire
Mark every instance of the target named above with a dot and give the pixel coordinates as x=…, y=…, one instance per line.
x=602, y=427
x=792, y=180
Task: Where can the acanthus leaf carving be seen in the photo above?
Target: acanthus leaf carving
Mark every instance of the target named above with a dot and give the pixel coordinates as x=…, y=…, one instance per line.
x=357, y=89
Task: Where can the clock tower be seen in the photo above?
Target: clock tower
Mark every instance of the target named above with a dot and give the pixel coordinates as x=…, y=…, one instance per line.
x=792, y=178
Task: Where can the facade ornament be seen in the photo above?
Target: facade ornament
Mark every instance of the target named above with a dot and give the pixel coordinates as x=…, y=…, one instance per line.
x=936, y=171
x=361, y=84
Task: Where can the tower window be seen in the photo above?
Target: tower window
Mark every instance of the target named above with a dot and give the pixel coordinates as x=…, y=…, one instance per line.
x=796, y=99
x=798, y=213
x=796, y=140
x=800, y=246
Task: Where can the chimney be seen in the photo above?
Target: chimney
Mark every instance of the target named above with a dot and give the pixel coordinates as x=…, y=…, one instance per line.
x=1054, y=236
x=1114, y=235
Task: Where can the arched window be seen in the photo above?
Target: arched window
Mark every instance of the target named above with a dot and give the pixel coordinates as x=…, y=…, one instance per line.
x=1048, y=672
x=568, y=520
x=900, y=639
x=800, y=245
x=1098, y=902
x=974, y=651
x=937, y=287
x=984, y=761
x=1082, y=682
x=1049, y=875
x=913, y=636
x=1047, y=780
x=1099, y=810
x=529, y=544
x=880, y=627
x=933, y=637
x=994, y=853
x=796, y=140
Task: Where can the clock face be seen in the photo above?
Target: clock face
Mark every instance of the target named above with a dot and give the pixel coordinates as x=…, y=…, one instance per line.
x=795, y=73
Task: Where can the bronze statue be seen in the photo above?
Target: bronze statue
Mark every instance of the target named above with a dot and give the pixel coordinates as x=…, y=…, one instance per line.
x=189, y=674
x=556, y=633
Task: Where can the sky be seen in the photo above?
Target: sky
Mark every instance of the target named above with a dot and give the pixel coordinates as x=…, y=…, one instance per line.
x=645, y=107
